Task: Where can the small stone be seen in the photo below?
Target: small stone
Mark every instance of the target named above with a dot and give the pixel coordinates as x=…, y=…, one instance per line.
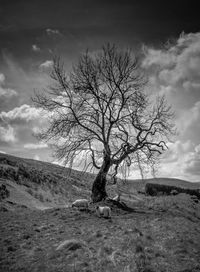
x=71, y=244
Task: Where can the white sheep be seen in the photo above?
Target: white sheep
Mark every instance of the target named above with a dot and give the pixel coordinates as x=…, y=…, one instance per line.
x=116, y=198
x=104, y=211
x=81, y=204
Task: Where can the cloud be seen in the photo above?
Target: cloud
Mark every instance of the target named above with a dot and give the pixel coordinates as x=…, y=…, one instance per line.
x=46, y=65
x=192, y=163
x=2, y=78
x=35, y=146
x=17, y=116
x=36, y=48
x=7, y=134
x=174, y=70
x=36, y=157
x=176, y=67
x=25, y=79
x=5, y=92
x=18, y=121
x=176, y=150
x=22, y=121
x=188, y=123
x=23, y=113
x=182, y=56
x=53, y=31
x=158, y=57
x=182, y=160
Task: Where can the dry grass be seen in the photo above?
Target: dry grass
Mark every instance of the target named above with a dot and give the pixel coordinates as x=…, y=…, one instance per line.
x=157, y=236
x=161, y=234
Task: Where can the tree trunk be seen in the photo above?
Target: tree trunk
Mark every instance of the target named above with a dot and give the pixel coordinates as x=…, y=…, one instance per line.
x=99, y=185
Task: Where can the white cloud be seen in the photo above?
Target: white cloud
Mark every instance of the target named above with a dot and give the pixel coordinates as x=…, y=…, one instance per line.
x=35, y=146
x=174, y=70
x=24, y=80
x=158, y=57
x=36, y=157
x=53, y=31
x=182, y=160
x=189, y=121
x=20, y=121
x=177, y=64
x=46, y=65
x=7, y=134
x=2, y=78
x=188, y=85
x=5, y=92
x=36, y=129
x=192, y=163
x=197, y=149
x=176, y=150
x=36, y=48
x=22, y=113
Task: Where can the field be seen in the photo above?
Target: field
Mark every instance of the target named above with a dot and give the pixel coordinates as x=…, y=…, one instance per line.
x=39, y=231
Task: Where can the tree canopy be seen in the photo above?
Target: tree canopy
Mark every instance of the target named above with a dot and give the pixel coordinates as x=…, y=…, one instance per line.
x=101, y=110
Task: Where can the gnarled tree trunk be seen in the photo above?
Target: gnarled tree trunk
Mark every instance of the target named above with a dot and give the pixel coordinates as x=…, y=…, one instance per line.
x=99, y=185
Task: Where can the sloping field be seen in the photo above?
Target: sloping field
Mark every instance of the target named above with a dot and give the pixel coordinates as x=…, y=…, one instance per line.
x=160, y=234
x=157, y=234
x=18, y=195
x=44, y=184
x=39, y=185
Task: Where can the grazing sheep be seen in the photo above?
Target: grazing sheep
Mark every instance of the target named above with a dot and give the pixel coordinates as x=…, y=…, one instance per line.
x=116, y=198
x=103, y=211
x=81, y=204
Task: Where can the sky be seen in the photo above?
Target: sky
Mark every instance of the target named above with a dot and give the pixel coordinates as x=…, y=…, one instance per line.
x=167, y=33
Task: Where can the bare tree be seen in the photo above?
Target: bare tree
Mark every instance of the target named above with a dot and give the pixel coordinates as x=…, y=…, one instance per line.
x=101, y=109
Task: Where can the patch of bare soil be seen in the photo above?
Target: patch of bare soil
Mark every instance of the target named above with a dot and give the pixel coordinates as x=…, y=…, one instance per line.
x=160, y=234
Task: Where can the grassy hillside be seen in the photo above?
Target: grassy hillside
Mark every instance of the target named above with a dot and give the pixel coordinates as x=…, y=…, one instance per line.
x=48, y=185
x=41, y=184
x=48, y=168
x=160, y=234
x=157, y=234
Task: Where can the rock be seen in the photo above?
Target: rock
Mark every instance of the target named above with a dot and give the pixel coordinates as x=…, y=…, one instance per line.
x=173, y=192
x=71, y=244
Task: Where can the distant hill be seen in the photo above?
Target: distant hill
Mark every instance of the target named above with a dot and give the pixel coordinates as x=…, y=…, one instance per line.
x=139, y=184
x=176, y=182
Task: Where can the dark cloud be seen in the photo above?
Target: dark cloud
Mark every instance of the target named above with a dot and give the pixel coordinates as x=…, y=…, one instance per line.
x=146, y=20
